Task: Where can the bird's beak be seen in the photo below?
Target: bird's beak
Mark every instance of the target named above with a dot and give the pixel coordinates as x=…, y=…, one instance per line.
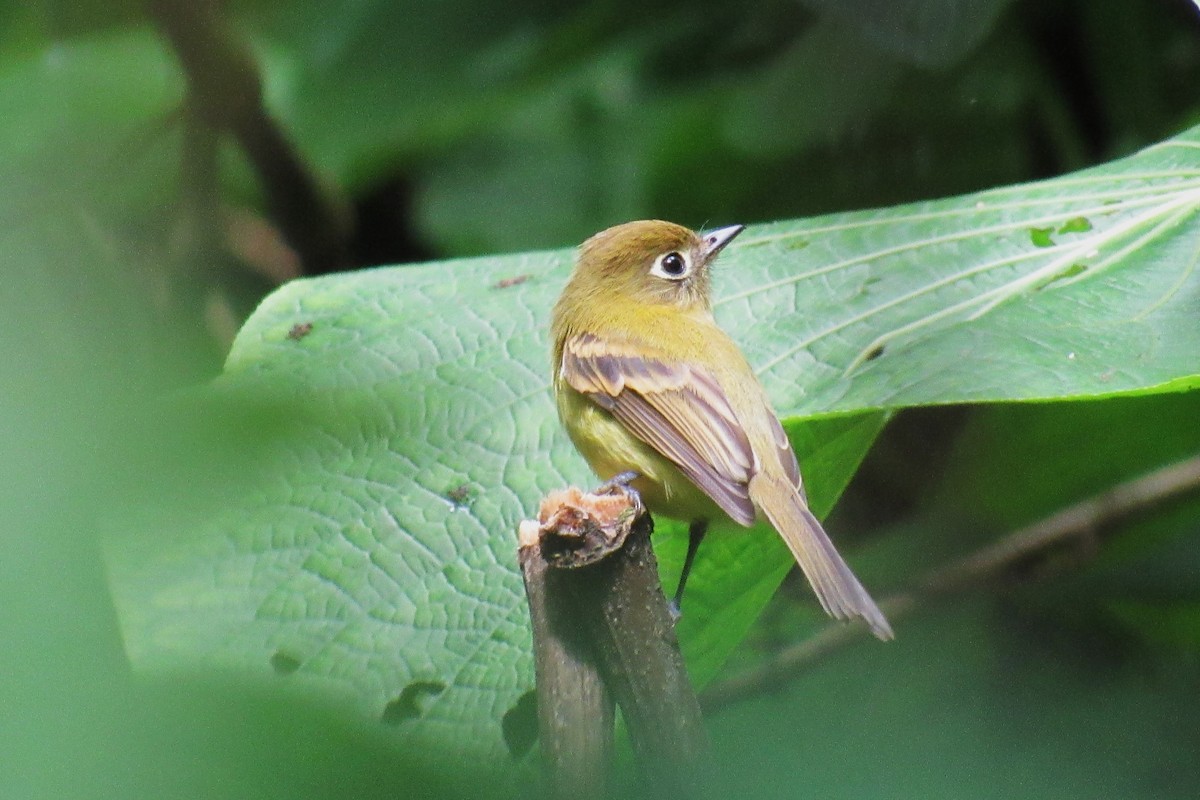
x=715, y=241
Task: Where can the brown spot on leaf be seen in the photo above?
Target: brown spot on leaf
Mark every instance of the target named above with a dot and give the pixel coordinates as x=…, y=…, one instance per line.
x=299, y=331
x=460, y=494
x=505, y=283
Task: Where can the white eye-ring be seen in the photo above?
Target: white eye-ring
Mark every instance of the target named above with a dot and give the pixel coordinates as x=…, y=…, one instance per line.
x=674, y=266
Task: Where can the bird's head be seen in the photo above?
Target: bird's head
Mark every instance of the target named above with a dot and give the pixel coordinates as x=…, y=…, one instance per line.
x=651, y=262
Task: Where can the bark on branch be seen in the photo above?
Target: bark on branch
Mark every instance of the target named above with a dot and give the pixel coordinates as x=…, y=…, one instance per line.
x=602, y=632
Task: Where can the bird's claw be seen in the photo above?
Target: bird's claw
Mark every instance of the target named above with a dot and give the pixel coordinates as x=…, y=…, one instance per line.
x=622, y=483
x=619, y=481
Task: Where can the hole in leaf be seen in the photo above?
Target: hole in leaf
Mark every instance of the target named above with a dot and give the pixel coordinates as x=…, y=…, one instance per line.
x=1069, y=272
x=1073, y=270
x=1041, y=237
x=408, y=704
x=1076, y=225
x=284, y=663
x=520, y=726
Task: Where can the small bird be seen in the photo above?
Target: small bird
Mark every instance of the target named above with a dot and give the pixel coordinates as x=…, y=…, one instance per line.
x=654, y=394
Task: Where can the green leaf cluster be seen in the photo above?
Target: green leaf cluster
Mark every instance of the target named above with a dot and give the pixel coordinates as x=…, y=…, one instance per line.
x=308, y=562
x=349, y=546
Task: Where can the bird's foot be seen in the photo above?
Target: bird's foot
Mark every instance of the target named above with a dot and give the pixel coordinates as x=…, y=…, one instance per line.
x=622, y=484
x=621, y=480
x=674, y=610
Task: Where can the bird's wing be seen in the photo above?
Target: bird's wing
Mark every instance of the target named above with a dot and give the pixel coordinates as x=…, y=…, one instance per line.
x=678, y=409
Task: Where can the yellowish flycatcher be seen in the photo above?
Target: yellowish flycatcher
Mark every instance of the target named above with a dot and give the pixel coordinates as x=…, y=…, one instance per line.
x=649, y=388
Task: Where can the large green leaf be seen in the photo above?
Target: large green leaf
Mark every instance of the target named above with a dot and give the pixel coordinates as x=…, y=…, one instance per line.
x=356, y=528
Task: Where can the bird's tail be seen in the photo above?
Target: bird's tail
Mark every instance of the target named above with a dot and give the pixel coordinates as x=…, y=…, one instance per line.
x=839, y=591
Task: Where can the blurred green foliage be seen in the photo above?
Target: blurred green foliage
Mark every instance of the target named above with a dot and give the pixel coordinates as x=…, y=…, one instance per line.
x=461, y=128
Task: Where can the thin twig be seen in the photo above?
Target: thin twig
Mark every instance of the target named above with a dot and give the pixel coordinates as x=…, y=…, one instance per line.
x=1079, y=520
x=224, y=85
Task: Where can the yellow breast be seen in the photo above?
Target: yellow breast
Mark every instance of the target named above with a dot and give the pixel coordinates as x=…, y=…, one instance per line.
x=610, y=449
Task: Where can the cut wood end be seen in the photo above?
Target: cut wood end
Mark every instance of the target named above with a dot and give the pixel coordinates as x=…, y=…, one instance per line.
x=575, y=528
x=528, y=532
x=561, y=506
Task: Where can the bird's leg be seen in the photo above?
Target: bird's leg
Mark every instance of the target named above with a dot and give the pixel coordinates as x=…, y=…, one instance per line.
x=622, y=480
x=696, y=533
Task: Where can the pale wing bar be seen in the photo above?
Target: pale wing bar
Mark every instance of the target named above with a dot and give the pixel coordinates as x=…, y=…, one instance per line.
x=787, y=456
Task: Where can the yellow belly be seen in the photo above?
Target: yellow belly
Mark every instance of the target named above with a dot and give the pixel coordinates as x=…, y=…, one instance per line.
x=610, y=449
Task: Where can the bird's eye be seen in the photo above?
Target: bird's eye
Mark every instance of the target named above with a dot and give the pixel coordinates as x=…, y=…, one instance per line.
x=672, y=266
